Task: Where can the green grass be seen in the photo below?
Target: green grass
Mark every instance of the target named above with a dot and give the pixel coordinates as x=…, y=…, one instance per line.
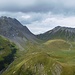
x=53, y=57
x=6, y=47
x=7, y=51
x=57, y=44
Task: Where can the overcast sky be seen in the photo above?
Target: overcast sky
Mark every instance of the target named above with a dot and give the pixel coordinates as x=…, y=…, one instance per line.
x=40, y=15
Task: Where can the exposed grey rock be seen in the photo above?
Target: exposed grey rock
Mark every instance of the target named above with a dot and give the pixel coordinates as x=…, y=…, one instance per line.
x=12, y=29
x=56, y=69
x=59, y=32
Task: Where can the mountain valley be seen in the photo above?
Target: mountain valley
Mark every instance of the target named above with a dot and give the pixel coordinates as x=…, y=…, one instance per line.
x=50, y=53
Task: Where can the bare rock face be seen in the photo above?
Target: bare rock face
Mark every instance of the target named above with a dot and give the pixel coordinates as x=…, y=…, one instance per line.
x=12, y=29
x=56, y=69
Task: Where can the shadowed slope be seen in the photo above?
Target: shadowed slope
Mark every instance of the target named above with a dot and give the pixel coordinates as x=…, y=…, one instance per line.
x=7, y=51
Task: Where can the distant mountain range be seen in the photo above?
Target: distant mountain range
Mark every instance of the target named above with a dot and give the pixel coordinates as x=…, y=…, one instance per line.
x=15, y=31
x=58, y=32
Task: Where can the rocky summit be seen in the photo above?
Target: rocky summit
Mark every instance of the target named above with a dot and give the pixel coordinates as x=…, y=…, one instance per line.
x=12, y=29
x=59, y=32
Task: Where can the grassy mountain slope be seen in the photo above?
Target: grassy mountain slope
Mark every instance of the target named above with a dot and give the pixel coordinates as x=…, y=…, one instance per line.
x=7, y=51
x=42, y=59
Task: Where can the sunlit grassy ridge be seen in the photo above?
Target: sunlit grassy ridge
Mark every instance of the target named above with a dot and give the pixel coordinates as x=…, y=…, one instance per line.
x=55, y=57
x=58, y=44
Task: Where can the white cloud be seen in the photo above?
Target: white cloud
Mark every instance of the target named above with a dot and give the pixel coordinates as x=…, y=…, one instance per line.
x=51, y=22
x=26, y=17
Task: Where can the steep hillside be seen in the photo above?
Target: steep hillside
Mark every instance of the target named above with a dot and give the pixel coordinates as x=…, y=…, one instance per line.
x=7, y=51
x=58, y=32
x=15, y=31
x=42, y=60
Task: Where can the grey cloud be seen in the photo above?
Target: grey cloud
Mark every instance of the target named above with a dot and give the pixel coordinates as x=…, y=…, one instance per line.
x=40, y=15
x=54, y=6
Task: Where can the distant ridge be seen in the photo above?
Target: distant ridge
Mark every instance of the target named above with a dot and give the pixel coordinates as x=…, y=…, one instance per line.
x=58, y=32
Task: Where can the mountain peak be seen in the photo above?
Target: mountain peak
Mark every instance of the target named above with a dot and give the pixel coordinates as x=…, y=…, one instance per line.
x=6, y=18
x=66, y=29
x=3, y=17
x=58, y=27
x=12, y=29
x=59, y=32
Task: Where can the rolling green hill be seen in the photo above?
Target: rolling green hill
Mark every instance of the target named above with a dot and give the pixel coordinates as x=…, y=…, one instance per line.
x=58, y=44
